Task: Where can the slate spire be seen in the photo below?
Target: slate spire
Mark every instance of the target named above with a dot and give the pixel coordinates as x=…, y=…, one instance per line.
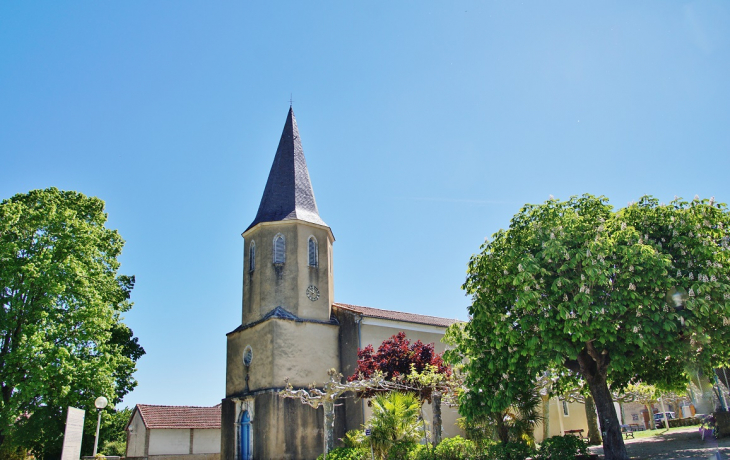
x=288, y=193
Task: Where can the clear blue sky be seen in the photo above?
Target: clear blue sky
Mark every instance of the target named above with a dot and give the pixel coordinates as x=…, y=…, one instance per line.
x=426, y=125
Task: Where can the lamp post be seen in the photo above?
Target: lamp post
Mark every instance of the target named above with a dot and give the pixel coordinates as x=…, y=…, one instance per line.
x=100, y=403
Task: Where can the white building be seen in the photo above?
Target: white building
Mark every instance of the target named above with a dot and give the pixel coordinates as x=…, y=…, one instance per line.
x=174, y=433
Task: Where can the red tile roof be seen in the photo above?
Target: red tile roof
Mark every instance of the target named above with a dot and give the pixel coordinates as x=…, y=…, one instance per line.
x=180, y=416
x=396, y=315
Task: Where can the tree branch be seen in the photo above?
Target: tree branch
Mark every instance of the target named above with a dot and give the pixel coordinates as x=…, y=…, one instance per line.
x=572, y=364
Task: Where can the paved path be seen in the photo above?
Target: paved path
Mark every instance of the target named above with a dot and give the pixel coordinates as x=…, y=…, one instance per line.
x=684, y=444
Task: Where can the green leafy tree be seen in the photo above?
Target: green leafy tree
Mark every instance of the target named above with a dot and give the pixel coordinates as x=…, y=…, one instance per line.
x=512, y=424
x=62, y=342
x=579, y=285
x=112, y=435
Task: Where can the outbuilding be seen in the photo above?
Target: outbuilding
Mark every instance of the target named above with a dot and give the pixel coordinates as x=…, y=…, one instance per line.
x=174, y=433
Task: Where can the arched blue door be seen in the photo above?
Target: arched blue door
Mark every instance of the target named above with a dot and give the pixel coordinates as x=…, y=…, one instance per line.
x=245, y=437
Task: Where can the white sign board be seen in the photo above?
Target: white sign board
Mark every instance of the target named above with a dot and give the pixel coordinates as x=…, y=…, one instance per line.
x=73, y=434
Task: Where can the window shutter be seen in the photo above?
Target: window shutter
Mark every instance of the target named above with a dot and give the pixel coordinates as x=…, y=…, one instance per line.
x=312, y=252
x=279, y=249
x=252, y=257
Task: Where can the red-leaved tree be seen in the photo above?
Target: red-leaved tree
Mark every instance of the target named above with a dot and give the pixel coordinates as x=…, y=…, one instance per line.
x=396, y=358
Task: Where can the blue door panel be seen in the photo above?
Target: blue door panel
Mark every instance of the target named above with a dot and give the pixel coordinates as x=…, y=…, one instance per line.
x=245, y=437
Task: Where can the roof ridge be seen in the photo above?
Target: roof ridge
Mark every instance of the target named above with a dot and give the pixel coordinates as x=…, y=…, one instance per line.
x=168, y=405
x=169, y=417
x=396, y=315
x=383, y=309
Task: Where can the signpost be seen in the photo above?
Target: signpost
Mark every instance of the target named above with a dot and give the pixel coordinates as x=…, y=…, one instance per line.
x=368, y=433
x=72, y=435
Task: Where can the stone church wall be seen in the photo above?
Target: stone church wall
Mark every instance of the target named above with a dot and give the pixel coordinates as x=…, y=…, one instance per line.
x=349, y=343
x=228, y=430
x=284, y=285
x=286, y=429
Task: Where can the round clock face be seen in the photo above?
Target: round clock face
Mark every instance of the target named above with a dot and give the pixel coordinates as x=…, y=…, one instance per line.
x=312, y=293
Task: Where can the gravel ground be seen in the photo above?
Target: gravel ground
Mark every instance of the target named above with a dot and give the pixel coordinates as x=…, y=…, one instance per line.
x=682, y=444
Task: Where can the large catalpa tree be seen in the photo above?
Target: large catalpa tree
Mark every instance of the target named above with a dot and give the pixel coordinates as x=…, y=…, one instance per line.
x=575, y=284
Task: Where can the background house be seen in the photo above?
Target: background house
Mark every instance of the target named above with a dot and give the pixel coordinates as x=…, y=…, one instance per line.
x=174, y=433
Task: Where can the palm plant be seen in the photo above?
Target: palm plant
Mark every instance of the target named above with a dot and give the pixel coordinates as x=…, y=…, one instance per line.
x=524, y=416
x=394, y=422
x=513, y=424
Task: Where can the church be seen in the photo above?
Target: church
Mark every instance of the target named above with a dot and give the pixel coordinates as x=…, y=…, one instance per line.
x=291, y=327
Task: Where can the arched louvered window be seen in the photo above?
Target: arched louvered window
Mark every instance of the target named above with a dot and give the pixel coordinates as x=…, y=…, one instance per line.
x=252, y=256
x=279, y=249
x=313, y=253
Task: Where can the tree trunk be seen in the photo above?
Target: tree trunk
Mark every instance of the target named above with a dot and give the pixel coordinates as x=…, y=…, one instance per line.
x=425, y=432
x=329, y=426
x=621, y=412
x=613, y=443
x=652, y=425
x=593, y=366
x=502, y=428
x=545, y=416
x=436, y=427
x=594, y=437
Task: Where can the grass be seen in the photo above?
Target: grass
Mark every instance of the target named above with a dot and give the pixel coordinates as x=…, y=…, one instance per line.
x=660, y=431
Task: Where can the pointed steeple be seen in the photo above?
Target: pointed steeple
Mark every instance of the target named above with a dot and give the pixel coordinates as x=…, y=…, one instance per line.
x=288, y=194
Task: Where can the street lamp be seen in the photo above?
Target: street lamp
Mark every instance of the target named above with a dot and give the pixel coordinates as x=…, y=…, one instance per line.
x=100, y=403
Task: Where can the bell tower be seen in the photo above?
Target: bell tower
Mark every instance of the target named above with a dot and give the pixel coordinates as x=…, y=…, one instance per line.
x=287, y=262
x=287, y=329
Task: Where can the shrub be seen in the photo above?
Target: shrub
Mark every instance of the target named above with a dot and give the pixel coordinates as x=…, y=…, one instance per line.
x=118, y=448
x=355, y=439
x=10, y=452
x=422, y=452
x=510, y=451
x=346, y=453
x=562, y=448
x=400, y=450
x=456, y=448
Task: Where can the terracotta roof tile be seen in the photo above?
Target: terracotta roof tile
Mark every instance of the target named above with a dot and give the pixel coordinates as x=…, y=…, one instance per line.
x=397, y=315
x=180, y=416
